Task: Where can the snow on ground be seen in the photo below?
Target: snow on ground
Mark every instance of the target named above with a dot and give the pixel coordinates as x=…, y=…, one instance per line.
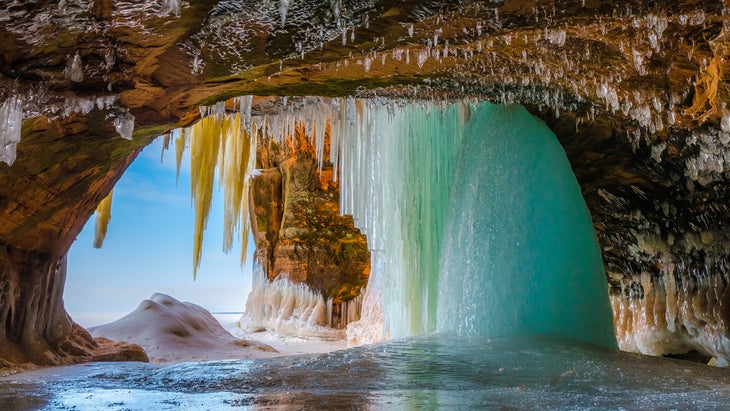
x=174, y=331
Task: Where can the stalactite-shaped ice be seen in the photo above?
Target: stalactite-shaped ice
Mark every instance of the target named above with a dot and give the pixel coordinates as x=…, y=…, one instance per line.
x=102, y=217
x=180, y=145
x=245, y=106
x=283, y=10
x=124, y=124
x=11, y=119
x=197, y=64
x=679, y=310
x=204, y=146
x=110, y=58
x=171, y=7
x=220, y=142
x=725, y=120
x=74, y=70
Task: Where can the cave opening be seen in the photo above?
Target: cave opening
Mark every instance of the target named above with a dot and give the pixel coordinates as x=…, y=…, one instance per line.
x=428, y=156
x=149, y=247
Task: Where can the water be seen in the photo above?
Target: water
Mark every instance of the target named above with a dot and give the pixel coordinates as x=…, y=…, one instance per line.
x=427, y=372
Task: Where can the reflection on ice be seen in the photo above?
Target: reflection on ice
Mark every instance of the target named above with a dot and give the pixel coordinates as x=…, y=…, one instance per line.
x=431, y=372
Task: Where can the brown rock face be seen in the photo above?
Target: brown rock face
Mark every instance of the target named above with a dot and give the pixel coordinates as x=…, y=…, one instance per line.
x=296, y=223
x=67, y=162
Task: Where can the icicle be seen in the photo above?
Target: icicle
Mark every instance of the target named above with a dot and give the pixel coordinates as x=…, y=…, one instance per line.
x=74, y=70
x=166, y=138
x=283, y=10
x=103, y=216
x=245, y=104
x=180, y=143
x=110, y=58
x=171, y=7
x=11, y=118
x=725, y=120
x=124, y=123
x=219, y=141
x=204, y=145
x=197, y=64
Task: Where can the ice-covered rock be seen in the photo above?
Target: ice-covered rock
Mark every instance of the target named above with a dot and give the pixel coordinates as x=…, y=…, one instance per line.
x=170, y=330
x=287, y=308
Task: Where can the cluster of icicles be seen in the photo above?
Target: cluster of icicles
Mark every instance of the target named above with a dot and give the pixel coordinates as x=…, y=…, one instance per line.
x=12, y=113
x=662, y=314
x=365, y=156
x=295, y=310
x=220, y=143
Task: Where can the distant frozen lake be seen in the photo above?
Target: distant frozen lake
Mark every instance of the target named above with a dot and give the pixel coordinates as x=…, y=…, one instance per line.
x=88, y=320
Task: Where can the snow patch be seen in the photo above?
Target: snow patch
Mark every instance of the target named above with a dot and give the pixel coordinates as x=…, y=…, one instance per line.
x=170, y=330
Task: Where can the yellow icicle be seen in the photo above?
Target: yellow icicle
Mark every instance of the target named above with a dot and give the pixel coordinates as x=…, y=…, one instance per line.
x=179, y=150
x=102, y=216
x=220, y=145
x=250, y=147
x=705, y=102
x=205, y=145
x=231, y=178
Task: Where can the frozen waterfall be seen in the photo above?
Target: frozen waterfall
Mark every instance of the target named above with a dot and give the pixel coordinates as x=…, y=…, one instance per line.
x=474, y=219
x=519, y=255
x=476, y=223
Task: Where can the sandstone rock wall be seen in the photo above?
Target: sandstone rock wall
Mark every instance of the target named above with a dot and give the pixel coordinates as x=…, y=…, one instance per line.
x=296, y=224
x=46, y=198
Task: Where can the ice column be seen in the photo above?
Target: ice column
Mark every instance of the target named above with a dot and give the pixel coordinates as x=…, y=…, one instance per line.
x=396, y=167
x=475, y=223
x=520, y=255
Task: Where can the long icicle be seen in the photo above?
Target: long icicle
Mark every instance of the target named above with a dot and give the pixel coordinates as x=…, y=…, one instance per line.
x=221, y=143
x=204, y=153
x=103, y=216
x=180, y=143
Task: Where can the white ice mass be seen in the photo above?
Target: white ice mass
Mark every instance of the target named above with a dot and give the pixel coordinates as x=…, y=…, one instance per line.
x=170, y=330
x=11, y=117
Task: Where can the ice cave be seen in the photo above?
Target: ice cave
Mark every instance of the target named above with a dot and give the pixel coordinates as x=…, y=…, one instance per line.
x=470, y=204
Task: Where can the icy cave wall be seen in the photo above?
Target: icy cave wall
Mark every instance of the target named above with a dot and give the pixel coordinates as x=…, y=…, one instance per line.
x=636, y=91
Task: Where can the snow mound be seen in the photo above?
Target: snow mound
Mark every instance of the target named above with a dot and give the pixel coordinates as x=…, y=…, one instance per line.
x=170, y=330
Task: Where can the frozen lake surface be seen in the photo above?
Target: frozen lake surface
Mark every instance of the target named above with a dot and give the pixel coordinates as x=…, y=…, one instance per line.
x=429, y=372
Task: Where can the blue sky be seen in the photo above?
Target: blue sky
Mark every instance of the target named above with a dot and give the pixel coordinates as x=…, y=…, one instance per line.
x=149, y=247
